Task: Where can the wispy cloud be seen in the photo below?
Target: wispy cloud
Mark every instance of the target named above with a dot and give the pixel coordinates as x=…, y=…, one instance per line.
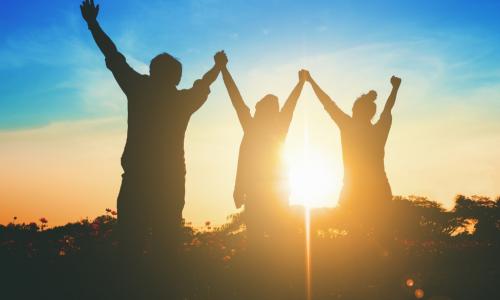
x=439, y=125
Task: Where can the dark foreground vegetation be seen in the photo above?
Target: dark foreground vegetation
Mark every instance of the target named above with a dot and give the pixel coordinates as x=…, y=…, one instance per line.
x=431, y=254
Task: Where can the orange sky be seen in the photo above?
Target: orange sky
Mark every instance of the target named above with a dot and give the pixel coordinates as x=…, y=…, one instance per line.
x=437, y=148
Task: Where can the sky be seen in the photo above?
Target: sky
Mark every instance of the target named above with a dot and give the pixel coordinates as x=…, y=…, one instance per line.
x=63, y=118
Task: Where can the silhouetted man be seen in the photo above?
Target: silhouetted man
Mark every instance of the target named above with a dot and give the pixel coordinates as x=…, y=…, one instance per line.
x=260, y=184
x=366, y=191
x=152, y=190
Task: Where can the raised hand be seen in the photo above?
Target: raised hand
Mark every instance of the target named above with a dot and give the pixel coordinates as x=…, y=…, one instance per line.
x=304, y=75
x=220, y=59
x=386, y=113
x=395, y=81
x=89, y=11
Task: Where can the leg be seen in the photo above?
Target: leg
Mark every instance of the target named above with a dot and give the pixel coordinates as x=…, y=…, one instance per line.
x=132, y=228
x=167, y=238
x=132, y=221
x=166, y=215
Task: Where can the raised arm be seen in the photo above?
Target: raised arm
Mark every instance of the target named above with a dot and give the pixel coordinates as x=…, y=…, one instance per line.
x=115, y=61
x=291, y=102
x=201, y=87
x=330, y=106
x=89, y=13
x=385, y=122
x=396, y=82
x=210, y=76
x=239, y=105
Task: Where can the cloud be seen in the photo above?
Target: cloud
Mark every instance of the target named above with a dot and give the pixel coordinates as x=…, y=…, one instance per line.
x=442, y=142
x=63, y=171
x=322, y=28
x=50, y=46
x=444, y=136
x=444, y=139
x=98, y=91
x=62, y=47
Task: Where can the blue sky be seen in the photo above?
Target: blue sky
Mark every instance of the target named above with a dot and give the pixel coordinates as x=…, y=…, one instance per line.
x=62, y=116
x=42, y=44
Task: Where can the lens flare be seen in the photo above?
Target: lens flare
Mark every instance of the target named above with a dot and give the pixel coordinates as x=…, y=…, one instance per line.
x=419, y=293
x=410, y=282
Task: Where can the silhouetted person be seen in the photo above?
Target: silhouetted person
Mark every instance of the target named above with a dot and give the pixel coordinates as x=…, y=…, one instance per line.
x=366, y=191
x=260, y=185
x=153, y=184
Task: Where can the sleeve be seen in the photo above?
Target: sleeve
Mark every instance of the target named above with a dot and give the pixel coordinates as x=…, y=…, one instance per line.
x=126, y=77
x=198, y=94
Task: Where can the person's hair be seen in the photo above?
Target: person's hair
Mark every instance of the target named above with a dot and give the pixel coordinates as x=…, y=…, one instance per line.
x=269, y=103
x=166, y=67
x=364, y=106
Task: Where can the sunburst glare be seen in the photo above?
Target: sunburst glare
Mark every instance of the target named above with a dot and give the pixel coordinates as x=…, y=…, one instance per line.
x=313, y=181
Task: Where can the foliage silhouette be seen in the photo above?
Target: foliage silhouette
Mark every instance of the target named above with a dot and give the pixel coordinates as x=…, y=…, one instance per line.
x=432, y=251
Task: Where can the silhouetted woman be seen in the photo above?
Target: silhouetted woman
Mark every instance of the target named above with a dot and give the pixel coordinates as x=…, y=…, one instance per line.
x=366, y=190
x=260, y=185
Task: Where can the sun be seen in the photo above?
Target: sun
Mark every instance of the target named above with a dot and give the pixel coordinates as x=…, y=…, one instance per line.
x=314, y=181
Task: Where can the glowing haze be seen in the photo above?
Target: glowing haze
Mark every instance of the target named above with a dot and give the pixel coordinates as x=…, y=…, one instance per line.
x=63, y=119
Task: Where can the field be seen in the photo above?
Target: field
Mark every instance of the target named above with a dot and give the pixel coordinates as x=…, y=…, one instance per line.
x=427, y=253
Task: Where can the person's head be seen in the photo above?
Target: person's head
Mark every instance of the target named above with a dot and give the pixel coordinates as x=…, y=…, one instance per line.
x=364, y=107
x=166, y=69
x=267, y=107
